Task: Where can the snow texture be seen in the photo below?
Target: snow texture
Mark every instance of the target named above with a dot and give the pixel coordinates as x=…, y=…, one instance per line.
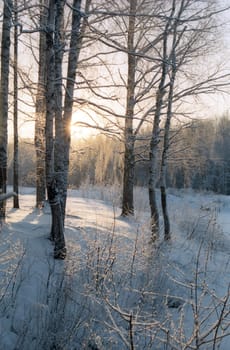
x=116, y=289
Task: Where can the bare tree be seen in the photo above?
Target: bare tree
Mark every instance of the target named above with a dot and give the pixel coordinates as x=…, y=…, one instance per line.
x=41, y=110
x=185, y=38
x=170, y=58
x=155, y=137
x=76, y=41
x=126, y=32
x=50, y=105
x=16, y=165
x=4, y=89
x=128, y=180
x=57, y=229
x=57, y=154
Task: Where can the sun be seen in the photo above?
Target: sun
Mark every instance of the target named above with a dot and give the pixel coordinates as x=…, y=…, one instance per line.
x=83, y=124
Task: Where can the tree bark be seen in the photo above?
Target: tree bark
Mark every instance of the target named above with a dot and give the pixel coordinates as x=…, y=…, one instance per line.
x=167, y=234
x=41, y=111
x=74, y=52
x=57, y=229
x=49, y=159
x=58, y=178
x=155, y=137
x=4, y=88
x=57, y=220
x=172, y=63
x=3, y=198
x=58, y=156
x=153, y=163
x=153, y=158
x=16, y=167
x=129, y=157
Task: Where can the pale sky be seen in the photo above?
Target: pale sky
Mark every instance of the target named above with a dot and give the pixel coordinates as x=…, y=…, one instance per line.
x=206, y=106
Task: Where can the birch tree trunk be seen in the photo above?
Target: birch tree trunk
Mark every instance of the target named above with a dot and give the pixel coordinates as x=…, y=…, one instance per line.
x=16, y=166
x=4, y=88
x=169, y=113
x=153, y=157
x=176, y=36
x=167, y=234
x=155, y=137
x=41, y=111
x=50, y=66
x=74, y=52
x=57, y=177
x=57, y=229
x=62, y=122
x=129, y=158
x=58, y=187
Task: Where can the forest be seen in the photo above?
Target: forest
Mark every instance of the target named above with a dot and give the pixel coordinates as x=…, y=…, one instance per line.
x=114, y=174
x=130, y=75
x=199, y=159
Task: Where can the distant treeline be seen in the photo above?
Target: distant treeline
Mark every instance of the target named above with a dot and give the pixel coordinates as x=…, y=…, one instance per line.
x=199, y=158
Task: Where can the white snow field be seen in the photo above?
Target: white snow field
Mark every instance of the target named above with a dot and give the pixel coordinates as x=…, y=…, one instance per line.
x=116, y=289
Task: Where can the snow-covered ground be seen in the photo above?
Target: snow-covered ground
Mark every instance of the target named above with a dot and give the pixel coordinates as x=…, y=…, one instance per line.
x=116, y=290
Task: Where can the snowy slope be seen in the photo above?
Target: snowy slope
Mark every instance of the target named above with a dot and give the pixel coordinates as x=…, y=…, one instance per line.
x=116, y=290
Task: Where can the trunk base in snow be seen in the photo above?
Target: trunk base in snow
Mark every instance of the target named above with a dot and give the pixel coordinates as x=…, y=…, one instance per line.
x=60, y=253
x=57, y=230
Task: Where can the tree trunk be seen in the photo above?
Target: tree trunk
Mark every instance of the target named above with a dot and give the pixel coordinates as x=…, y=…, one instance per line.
x=58, y=179
x=153, y=158
x=167, y=234
x=57, y=229
x=62, y=123
x=57, y=221
x=166, y=220
x=128, y=176
x=153, y=163
x=59, y=132
x=16, y=167
x=75, y=48
x=41, y=112
x=50, y=105
x=4, y=87
x=154, y=151
x=176, y=37
x=155, y=139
